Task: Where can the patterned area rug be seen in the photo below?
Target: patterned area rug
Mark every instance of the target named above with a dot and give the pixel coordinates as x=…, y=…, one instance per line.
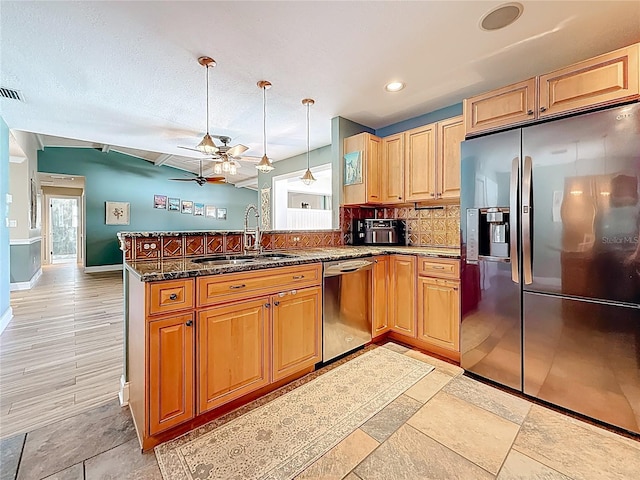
x=281, y=438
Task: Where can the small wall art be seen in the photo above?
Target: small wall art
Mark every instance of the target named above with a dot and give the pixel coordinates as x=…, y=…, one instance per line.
x=198, y=209
x=222, y=214
x=117, y=213
x=159, y=201
x=187, y=206
x=210, y=211
x=352, y=168
x=174, y=204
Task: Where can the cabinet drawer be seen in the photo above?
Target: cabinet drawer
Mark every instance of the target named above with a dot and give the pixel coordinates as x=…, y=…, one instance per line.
x=169, y=296
x=223, y=288
x=437, y=267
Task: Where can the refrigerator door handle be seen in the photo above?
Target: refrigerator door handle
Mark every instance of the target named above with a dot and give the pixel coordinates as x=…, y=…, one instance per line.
x=526, y=222
x=513, y=228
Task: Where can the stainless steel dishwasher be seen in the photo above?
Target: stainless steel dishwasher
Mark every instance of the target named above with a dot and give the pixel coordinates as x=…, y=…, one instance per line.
x=346, y=313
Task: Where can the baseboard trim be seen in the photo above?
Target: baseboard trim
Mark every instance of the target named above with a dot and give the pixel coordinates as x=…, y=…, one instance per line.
x=123, y=394
x=26, y=285
x=103, y=268
x=5, y=319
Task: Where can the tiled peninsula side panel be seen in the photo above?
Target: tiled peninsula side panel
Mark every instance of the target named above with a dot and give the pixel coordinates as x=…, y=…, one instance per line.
x=437, y=226
x=178, y=246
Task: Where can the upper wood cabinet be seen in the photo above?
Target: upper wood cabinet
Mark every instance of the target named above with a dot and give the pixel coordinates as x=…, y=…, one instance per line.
x=450, y=134
x=505, y=106
x=607, y=79
x=420, y=168
x=369, y=186
x=392, y=169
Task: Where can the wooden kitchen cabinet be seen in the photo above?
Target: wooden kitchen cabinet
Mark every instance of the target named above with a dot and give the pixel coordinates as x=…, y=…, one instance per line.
x=420, y=163
x=439, y=312
x=402, y=294
x=297, y=330
x=392, y=169
x=370, y=189
x=450, y=133
x=380, y=295
x=609, y=78
x=171, y=379
x=604, y=80
x=233, y=351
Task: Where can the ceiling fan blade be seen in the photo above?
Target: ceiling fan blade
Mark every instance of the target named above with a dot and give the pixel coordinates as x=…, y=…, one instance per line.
x=216, y=180
x=189, y=148
x=249, y=159
x=184, y=179
x=237, y=150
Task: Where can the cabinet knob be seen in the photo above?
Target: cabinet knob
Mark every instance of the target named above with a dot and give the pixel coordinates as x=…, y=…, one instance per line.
x=276, y=303
x=375, y=261
x=529, y=112
x=293, y=292
x=189, y=323
x=267, y=305
x=433, y=194
x=173, y=296
x=399, y=198
x=543, y=109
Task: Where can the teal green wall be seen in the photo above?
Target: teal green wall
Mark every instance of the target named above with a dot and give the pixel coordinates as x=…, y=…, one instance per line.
x=117, y=177
x=319, y=156
x=25, y=261
x=425, y=119
x=4, y=231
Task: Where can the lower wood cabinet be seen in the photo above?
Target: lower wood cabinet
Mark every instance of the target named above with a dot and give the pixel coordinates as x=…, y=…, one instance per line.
x=171, y=356
x=402, y=297
x=233, y=351
x=380, y=296
x=297, y=324
x=439, y=312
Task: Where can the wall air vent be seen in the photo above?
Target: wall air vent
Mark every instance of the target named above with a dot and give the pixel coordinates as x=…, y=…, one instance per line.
x=11, y=94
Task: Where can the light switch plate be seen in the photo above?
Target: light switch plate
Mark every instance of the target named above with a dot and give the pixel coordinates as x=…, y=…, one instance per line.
x=9, y=198
x=13, y=223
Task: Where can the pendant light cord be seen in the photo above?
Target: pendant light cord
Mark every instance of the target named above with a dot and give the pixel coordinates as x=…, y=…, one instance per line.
x=308, y=134
x=264, y=118
x=207, y=99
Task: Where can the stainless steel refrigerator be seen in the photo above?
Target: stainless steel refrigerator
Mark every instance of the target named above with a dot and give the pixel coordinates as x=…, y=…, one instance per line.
x=551, y=262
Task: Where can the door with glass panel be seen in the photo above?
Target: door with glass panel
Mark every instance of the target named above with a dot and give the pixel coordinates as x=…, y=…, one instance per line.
x=63, y=230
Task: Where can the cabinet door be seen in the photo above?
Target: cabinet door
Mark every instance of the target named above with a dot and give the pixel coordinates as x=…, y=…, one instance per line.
x=296, y=330
x=402, y=294
x=373, y=180
x=420, y=169
x=233, y=351
x=170, y=372
x=380, y=294
x=439, y=312
x=364, y=175
x=605, y=79
x=505, y=106
x=450, y=134
x=392, y=169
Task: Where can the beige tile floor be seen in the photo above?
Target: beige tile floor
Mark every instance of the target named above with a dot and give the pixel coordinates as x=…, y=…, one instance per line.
x=446, y=426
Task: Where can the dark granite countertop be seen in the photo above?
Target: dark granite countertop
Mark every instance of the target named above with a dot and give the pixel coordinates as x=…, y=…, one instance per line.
x=169, y=269
x=122, y=235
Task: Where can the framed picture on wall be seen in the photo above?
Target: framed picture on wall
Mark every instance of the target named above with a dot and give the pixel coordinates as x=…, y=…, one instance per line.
x=187, y=206
x=174, y=204
x=117, y=213
x=222, y=214
x=198, y=209
x=352, y=168
x=210, y=211
x=159, y=201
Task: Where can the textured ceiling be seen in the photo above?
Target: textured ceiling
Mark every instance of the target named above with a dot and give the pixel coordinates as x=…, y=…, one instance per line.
x=126, y=73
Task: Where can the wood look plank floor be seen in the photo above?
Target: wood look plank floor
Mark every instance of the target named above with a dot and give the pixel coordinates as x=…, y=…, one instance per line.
x=61, y=354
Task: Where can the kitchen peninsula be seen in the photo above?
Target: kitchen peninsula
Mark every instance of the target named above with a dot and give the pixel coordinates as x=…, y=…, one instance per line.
x=212, y=330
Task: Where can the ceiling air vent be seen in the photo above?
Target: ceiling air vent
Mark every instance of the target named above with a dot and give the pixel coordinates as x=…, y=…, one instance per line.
x=11, y=94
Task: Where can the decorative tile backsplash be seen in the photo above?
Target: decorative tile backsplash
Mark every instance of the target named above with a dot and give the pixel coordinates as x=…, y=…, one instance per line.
x=437, y=226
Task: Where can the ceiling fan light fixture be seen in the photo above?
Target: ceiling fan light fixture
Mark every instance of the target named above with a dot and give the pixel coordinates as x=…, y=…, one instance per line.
x=308, y=177
x=217, y=168
x=233, y=170
x=265, y=165
x=226, y=165
x=207, y=146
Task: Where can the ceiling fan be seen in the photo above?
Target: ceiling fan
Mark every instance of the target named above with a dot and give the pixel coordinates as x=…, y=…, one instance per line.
x=200, y=179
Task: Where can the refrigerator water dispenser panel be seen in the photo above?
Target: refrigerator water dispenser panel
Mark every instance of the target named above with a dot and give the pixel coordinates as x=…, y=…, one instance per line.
x=487, y=234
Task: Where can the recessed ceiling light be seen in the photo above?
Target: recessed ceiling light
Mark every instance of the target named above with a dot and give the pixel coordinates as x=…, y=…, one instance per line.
x=501, y=16
x=394, y=86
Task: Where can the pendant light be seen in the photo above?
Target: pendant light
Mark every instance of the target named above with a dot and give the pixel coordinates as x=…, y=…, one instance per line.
x=265, y=165
x=308, y=178
x=206, y=145
x=217, y=168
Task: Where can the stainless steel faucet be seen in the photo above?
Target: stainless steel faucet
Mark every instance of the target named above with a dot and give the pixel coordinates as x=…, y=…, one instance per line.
x=256, y=247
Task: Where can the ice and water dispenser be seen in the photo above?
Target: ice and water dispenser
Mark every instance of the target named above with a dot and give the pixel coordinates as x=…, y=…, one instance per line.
x=487, y=233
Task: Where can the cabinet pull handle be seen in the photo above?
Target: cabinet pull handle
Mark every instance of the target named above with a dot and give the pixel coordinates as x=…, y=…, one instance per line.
x=173, y=296
x=529, y=112
x=189, y=323
x=293, y=292
x=436, y=267
x=276, y=303
x=433, y=194
x=543, y=109
x=235, y=287
x=375, y=261
x=298, y=277
x=267, y=305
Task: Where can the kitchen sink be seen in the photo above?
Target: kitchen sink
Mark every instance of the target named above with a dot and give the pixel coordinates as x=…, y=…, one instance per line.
x=226, y=259
x=276, y=256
